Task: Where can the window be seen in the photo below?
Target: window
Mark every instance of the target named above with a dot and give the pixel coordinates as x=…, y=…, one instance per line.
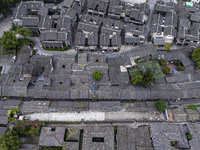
x=61, y=83
x=97, y=139
x=63, y=66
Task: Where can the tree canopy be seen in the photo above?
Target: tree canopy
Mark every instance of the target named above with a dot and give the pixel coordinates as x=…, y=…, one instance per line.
x=97, y=75
x=168, y=47
x=9, y=41
x=136, y=80
x=161, y=105
x=6, y=4
x=147, y=78
x=167, y=70
x=24, y=31
x=163, y=62
x=196, y=54
x=9, y=141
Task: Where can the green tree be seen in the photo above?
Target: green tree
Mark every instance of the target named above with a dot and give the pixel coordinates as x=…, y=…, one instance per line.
x=97, y=75
x=37, y=130
x=32, y=131
x=196, y=54
x=180, y=68
x=168, y=47
x=9, y=41
x=161, y=105
x=13, y=111
x=24, y=31
x=136, y=80
x=198, y=65
x=147, y=78
x=177, y=62
x=9, y=141
x=189, y=136
x=163, y=62
x=167, y=70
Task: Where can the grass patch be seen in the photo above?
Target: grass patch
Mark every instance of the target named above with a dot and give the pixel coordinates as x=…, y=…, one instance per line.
x=134, y=72
x=154, y=66
x=193, y=107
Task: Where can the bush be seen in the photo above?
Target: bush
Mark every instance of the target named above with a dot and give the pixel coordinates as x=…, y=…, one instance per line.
x=168, y=47
x=161, y=105
x=65, y=48
x=136, y=80
x=174, y=143
x=196, y=54
x=140, y=59
x=13, y=112
x=97, y=75
x=177, y=62
x=149, y=38
x=189, y=136
x=166, y=70
x=198, y=65
x=9, y=141
x=163, y=62
x=192, y=107
x=27, y=128
x=147, y=78
x=180, y=68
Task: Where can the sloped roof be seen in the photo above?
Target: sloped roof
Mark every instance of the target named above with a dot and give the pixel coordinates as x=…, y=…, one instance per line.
x=52, y=138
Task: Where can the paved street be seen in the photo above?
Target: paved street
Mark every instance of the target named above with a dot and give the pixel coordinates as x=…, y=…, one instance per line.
x=95, y=116
x=134, y=1
x=41, y=51
x=5, y=25
x=74, y=116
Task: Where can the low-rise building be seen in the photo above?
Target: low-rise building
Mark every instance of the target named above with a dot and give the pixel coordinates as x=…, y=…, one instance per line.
x=135, y=34
x=164, y=23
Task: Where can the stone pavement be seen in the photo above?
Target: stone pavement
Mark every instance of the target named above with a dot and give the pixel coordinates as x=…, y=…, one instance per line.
x=74, y=116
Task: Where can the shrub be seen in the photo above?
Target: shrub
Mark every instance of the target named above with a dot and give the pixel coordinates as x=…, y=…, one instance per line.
x=192, y=107
x=198, y=65
x=166, y=70
x=177, y=62
x=147, y=78
x=27, y=128
x=168, y=47
x=140, y=59
x=13, y=112
x=149, y=38
x=136, y=80
x=189, y=136
x=161, y=105
x=65, y=48
x=9, y=141
x=97, y=75
x=156, y=46
x=174, y=143
x=180, y=68
x=115, y=128
x=163, y=62
x=196, y=54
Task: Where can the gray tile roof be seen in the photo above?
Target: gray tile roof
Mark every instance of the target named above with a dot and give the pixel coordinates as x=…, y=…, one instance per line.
x=88, y=27
x=52, y=138
x=80, y=39
x=106, y=132
x=169, y=132
x=30, y=21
